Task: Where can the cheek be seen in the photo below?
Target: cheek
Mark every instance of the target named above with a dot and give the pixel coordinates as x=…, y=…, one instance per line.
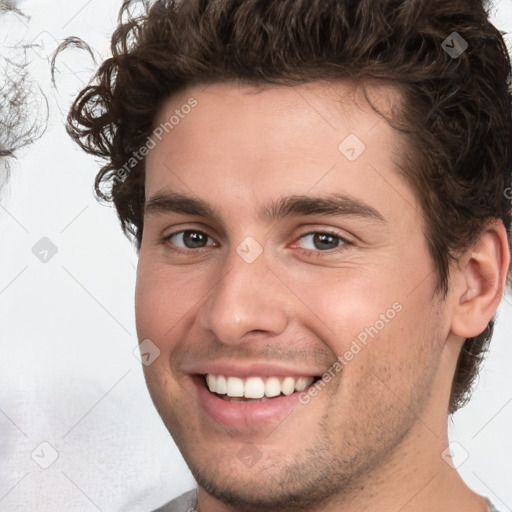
x=349, y=306
x=167, y=299
x=156, y=306
x=373, y=320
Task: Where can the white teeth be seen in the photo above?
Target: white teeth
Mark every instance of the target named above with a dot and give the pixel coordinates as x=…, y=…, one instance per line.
x=272, y=387
x=221, y=386
x=302, y=383
x=256, y=387
x=211, y=382
x=235, y=387
x=288, y=386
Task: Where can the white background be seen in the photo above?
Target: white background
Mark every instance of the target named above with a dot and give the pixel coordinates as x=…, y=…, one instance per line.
x=68, y=376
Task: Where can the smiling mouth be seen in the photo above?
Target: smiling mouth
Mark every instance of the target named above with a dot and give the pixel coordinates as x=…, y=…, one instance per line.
x=255, y=389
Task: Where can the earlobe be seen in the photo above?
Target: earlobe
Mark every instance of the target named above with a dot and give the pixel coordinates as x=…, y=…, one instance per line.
x=480, y=281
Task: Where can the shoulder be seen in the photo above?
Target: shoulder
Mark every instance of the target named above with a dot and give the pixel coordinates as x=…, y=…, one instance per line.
x=184, y=503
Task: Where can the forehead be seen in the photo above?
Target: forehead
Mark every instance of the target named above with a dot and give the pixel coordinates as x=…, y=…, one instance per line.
x=332, y=104
x=252, y=142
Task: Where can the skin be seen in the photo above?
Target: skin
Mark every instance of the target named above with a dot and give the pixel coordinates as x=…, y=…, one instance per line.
x=373, y=437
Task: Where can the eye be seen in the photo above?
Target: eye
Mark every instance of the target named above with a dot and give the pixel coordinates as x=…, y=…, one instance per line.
x=322, y=241
x=188, y=239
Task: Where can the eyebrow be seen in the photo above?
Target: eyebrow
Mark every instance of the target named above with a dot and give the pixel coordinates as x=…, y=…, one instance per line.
x=289, y=206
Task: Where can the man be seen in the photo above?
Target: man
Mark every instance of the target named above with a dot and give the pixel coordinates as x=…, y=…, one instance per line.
x=317, y=189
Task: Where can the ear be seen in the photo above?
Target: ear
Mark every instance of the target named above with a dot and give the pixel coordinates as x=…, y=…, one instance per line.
x=479, y=281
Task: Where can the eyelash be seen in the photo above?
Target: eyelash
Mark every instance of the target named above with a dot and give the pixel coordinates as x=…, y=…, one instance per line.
x=309, y=252
x=319, y=253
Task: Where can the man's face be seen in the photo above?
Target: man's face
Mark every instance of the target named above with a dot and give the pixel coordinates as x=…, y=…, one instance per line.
x=267, y=280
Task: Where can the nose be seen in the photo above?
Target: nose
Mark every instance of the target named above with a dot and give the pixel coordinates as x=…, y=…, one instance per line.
x=248, y=298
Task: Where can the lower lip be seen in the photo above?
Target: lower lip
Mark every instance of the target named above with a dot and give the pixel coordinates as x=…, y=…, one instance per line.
x=245, y=414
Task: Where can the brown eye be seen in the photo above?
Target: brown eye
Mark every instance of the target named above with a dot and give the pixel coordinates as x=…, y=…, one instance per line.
x=194, y=239
x=321, y=241
x=189, y=239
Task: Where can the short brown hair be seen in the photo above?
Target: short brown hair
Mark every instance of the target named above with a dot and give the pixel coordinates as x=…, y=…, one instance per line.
x=457, y=113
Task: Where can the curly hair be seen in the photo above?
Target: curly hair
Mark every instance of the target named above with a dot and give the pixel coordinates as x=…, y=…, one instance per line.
x=448, y=61
x=19, y=124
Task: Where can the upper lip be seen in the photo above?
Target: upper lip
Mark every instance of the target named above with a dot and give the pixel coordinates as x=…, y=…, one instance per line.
x=245, y=370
